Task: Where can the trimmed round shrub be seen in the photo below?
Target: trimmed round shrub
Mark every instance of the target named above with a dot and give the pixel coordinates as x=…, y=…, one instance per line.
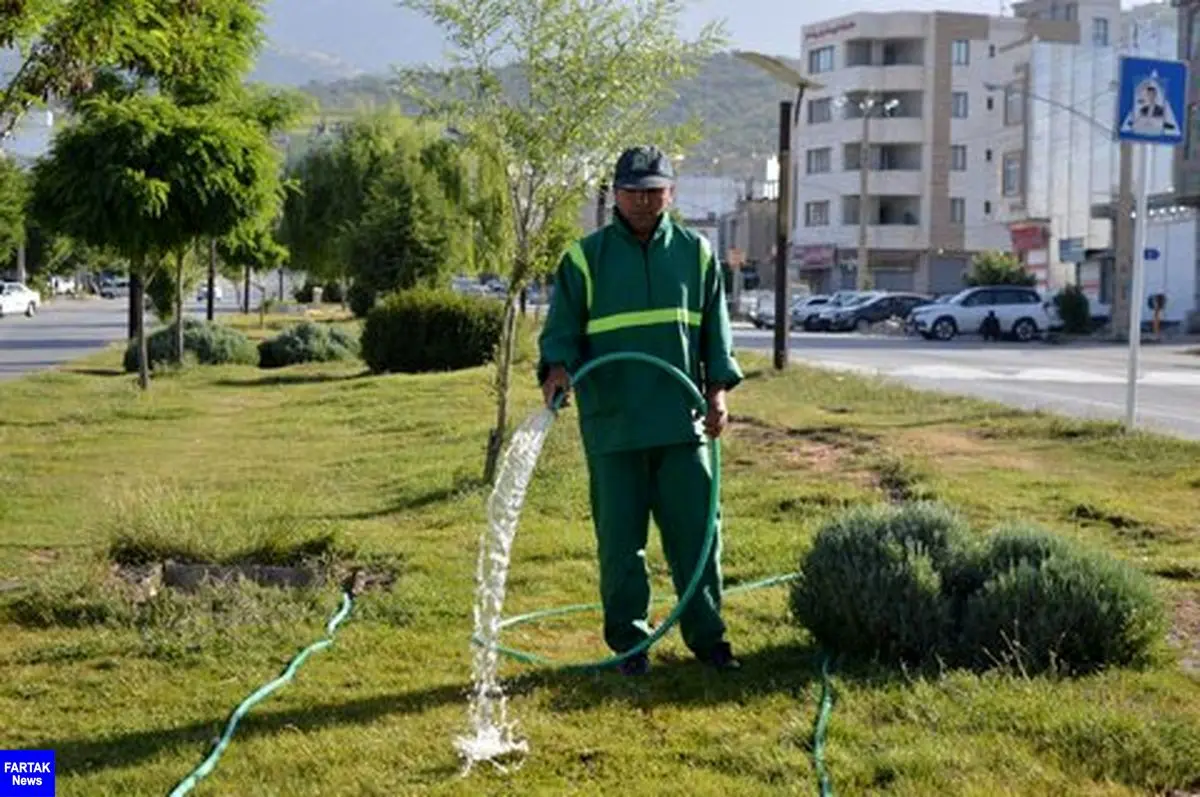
x=361, y=299
x=425, y=330
x=203, y=343
x=307, y=342
x=872, y=585
x=910, y=585
x=1049, y=604
x=332, y=293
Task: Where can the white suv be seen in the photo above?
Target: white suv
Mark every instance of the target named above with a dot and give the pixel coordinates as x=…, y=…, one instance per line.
x=16, y=297
x=1021, y=312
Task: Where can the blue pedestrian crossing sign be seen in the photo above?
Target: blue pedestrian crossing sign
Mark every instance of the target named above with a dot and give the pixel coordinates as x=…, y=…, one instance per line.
x=1151, y=100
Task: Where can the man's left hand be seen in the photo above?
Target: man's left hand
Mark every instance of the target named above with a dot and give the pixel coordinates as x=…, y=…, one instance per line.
x=718, y=413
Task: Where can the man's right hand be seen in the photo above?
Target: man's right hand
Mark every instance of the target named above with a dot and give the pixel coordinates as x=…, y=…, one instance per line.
x=557, y=380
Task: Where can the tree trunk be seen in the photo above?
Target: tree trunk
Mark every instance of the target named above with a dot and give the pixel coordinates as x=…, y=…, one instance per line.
x=498, y=434
x=212, y=277
x=179, y=307
x=246, y=291
x=524, y=300
x=138, y=297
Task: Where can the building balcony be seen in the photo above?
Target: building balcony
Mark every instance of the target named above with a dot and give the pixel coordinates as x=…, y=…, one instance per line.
x=897, y=236
x=890, y=78
x=895, y=182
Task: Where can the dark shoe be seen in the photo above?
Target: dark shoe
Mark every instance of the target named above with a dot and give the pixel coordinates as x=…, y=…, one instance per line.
x=637, y=664
x=720, y=657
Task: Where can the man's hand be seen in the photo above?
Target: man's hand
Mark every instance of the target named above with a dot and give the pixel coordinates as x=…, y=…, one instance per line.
x=718, y=413
x=557, y=380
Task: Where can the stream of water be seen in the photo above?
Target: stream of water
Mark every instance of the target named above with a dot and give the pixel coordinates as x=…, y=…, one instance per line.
x=491, y=735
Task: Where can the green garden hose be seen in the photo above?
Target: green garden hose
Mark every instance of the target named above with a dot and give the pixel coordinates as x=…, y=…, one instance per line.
x=210, y=761
x=714, y=501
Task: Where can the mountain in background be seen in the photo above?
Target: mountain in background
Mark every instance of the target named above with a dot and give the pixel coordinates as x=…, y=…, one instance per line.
x=737, y=104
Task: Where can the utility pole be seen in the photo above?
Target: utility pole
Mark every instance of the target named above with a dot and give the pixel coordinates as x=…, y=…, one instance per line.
x=863, y=271
x=787, y=74
x=783, y=223
x=1124, y=226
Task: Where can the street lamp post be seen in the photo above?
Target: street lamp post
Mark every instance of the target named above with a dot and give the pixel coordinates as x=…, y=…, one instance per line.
x=788, y=113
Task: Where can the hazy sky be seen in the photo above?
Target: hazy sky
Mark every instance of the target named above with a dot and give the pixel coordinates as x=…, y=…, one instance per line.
x=371, y=34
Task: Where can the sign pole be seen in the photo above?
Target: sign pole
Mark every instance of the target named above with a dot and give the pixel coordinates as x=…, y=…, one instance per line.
x=1138, y=288
x=1151, y=111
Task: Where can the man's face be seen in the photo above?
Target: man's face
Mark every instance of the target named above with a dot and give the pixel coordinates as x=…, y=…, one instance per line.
x=641, y=208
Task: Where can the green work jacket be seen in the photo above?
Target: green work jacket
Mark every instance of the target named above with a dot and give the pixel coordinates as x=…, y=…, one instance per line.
x=665, y=298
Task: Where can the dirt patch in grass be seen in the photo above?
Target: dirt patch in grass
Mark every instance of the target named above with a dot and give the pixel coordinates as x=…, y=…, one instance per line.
x=823, y=449
x=147, y=580
x=1185, y=632
x=964, y=444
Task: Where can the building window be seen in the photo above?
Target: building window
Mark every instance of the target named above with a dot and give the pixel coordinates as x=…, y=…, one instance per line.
x=1071, y=12
x=821, y=60
x=1100, y=32
x=960, y=52
x=816, y=214
x=958, y=105
x=850, y=210
x=958, y=158
x=958, y=210
x=987, y=208
x=1010, y=174
x=819, y=161
x=820, y=111
x=1014, y=106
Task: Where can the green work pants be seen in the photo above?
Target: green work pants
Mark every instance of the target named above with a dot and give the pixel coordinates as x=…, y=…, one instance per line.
x=671, y=483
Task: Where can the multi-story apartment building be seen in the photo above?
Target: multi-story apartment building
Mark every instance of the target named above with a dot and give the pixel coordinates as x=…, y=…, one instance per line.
x=1187, y=161
x=1072, y=161
x=945, y=94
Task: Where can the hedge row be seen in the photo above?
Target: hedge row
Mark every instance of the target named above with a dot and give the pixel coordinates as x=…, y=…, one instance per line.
x=411, y=331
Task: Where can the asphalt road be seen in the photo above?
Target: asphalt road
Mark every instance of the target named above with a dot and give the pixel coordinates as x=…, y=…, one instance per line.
x=1082, y=380
x=1085, y=380
x=64, y=330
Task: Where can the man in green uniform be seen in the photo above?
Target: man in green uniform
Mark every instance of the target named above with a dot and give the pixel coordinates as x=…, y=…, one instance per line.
x=644, y=283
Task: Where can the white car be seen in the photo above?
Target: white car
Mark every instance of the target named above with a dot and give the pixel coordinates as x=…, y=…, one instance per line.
x=114, y=288
x=1021, y=311
x=202, y=293
x=808, y=308
x=16, y=297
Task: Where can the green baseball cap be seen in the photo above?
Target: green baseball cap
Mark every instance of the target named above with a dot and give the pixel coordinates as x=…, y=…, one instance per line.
x=643, y=167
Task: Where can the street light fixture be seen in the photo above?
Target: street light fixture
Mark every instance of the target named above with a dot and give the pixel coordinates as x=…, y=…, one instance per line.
x=789, y=114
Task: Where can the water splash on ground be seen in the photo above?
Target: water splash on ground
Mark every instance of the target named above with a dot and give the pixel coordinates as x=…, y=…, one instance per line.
x=492, y=737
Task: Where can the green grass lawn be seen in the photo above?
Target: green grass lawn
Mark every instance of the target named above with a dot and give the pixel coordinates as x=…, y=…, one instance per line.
x=223, y=463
